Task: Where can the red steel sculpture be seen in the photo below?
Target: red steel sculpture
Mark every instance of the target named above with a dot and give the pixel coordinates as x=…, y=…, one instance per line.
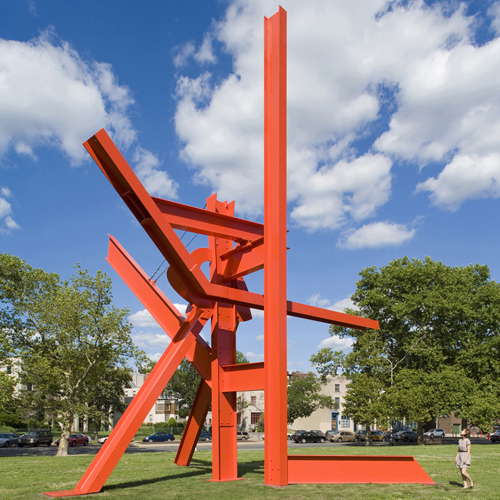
x=236, y=247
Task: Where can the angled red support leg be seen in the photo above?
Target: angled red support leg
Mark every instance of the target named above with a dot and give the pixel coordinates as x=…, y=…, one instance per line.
x=109, y=455
x=194, y=424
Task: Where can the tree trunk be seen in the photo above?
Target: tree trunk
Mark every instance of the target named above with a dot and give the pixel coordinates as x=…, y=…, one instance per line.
x=420, y=432
x=368, y=440
x=62, y=450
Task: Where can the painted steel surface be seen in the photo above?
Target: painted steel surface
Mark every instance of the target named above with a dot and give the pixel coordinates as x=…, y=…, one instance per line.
x=236, y=248
x=355, y=469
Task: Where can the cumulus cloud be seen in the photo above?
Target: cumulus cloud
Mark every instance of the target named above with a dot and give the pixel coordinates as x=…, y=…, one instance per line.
x=156, y=182
x=340, y=305
x=183, y=53
x=143, y=319
x=336, y=343
x=7, y=223
x=344, y=60
x=254, y=356
x=151, y=341
x=205, y=53
x=376, y=234
x=259, y=337
x=50, y=96
x=465, y=177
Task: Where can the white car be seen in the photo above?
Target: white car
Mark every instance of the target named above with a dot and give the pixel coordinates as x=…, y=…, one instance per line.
x=436, y=433
x=103, y=439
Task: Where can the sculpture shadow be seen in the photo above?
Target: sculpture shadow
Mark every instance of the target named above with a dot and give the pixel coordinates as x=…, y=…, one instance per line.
x=197, y=468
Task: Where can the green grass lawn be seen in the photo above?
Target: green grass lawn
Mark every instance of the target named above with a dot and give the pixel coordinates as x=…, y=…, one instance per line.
x=155, y=476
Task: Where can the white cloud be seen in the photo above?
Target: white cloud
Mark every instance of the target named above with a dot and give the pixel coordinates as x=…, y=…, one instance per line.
x=151, y=341
x=340, y=57
x=257, y=313
x=155, y=181
x=340, y=305
x=259, y=337
x=183, y=53
x=465, y=177
x=50, y=96
x=143, y=319
x=253, y=356
x=377, y=234
x=336, y=343
x=6, y=212
x=205, y=53
x=181, y=308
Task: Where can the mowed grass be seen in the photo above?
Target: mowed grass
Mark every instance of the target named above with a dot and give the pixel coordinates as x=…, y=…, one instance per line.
x=155, y=476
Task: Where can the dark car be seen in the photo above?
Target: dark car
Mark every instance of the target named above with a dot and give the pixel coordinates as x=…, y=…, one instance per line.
x=360, y=436
x=9, y=439
x=75, y=439
x=405, y=436
x=495, y=437
x=205, y=436
x=35, y=438
x=308, y=437
x=159, y=437
x=320, y=434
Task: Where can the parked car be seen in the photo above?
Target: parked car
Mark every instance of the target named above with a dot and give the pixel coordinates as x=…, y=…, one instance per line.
x=205, y=436
x=159, y=437
x=360, y=436
x=103, y=439
x=35, y=438
x=75, y=439
x=9, y=439
x=495, y=437
x=308, y=437
x=340, y=436
x=242, y=435
x=319, y=433
x=378, y=436
x=295, y=434
x=436, y=433
x=405, y=436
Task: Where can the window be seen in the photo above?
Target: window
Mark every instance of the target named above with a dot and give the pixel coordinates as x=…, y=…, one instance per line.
x=337, y=387
x=29, y=387
x=8, y=370
x=238, y=418
x=253, y=400
x=345, y=421
x=160, y=407
x=255, y=418
x=337, y=403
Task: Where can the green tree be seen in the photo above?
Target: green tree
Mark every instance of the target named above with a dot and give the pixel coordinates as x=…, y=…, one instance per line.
x=304, y=397
x=71, y=336
x=432, y=318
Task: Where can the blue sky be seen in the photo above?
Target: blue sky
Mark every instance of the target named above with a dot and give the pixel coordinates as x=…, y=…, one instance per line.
x=393, y=127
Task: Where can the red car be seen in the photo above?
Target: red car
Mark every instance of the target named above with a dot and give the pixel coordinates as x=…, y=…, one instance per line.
x=75, y=439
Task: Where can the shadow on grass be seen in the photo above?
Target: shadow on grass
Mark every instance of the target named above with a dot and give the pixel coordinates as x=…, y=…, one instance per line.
x=201, y=467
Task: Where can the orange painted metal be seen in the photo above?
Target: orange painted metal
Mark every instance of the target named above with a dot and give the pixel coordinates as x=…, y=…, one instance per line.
x=194, y=425
x=355, y=469
x=159, y=306
x=244, y=377
x=224, y=325
x=236, y=248
x=275, y=203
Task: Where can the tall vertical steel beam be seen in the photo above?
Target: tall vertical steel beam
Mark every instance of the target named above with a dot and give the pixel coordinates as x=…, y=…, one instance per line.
x=275, y=303
x=224, y=325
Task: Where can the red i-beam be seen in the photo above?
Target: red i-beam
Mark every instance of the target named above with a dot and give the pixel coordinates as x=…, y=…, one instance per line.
x=237, y=247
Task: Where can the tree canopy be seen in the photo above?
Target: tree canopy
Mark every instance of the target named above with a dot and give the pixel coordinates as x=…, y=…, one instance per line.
x=304, y=396
x=439, y=325
x=68, y=336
